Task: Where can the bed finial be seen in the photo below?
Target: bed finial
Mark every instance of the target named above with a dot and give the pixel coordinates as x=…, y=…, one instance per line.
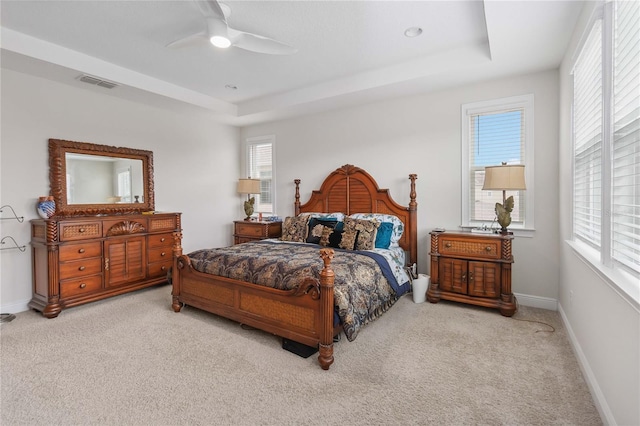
x=413, y=205
x=296, y=204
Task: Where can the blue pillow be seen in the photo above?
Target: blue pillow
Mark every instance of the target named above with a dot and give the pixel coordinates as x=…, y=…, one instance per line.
x=383, y=236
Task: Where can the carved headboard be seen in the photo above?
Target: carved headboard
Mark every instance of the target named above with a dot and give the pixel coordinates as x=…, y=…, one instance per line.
x=350, y=189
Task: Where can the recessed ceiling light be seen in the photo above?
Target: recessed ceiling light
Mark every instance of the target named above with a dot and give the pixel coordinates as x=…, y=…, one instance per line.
x=413, y=32
x=231, y=87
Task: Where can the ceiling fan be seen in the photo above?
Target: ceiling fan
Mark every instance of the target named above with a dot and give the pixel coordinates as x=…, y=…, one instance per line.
x=223, y=36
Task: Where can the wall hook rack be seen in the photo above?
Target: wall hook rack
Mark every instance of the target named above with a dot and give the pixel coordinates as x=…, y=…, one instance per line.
x=15, y=216
x=16, y=246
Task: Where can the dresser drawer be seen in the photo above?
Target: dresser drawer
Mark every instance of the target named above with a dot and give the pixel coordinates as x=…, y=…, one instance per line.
x=80, y=286
x=80, y=268
x=80, y=230
x=80, y=251
x=482, y=248
x=161, y=240
x=160, y=223
x=159, y=269
x=160, y=254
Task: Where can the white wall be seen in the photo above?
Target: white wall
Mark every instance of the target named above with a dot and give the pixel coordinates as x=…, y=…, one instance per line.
x=603, y=325
x=193, y=174
x=421, y=134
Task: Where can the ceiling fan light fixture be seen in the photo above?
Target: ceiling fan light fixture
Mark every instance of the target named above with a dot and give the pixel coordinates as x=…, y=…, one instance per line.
x=218, y=33
x=220, y=41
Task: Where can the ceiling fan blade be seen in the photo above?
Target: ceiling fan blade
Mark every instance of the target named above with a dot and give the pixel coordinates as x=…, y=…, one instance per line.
x=211, y=9
x=259, y=44
x=196, y=39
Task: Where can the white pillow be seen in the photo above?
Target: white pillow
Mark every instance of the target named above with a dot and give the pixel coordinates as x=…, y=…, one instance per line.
x=398, y=226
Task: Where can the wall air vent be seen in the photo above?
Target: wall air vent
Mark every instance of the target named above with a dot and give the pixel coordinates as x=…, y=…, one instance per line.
x=96, y=81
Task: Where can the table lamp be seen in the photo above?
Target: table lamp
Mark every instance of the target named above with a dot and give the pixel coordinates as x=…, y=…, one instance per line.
x=249, y=186
x=504, y=178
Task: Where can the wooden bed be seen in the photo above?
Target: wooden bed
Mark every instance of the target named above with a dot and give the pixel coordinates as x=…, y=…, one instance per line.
x=304, y=314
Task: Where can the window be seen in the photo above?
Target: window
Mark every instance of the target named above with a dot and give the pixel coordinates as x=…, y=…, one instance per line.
x=606, y=138
x=260, y=165
x=494, y=132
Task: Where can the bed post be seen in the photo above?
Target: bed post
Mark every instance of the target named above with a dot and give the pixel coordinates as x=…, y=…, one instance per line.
x=325, y=357
x=297, y=202
x=174, y=275
x=413, y=215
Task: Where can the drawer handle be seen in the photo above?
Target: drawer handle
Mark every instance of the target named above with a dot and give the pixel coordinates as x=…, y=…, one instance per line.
x=83, y=285
x=447, y=245
x=81, y=250
x=162, y=254
x=162, y=240
x=488, y=248
x=470, y=276
x=81, y=230
x=82, y=268
x=163, y=268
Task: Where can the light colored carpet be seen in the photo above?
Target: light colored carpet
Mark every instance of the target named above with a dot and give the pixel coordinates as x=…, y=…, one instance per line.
x=131, y=360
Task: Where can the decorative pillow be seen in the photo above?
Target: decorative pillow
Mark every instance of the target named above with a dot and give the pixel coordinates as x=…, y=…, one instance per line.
x=295, y=229
x=337, y=216
x=383, y=236
x=367, y=230
x=342, y=239
x=317, y=226
x=398, y=226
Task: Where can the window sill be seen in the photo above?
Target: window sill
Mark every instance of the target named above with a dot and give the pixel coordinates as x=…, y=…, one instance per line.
x=517, y=232
x=622, y=283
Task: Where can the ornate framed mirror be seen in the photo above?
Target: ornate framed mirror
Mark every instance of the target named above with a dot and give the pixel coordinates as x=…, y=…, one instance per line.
x=90, y=179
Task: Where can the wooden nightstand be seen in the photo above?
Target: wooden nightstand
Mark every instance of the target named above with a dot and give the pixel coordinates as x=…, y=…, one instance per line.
x=472, y=268
x=244, y=231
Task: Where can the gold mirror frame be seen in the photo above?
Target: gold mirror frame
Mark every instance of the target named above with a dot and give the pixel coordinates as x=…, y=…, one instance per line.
x=58, y=178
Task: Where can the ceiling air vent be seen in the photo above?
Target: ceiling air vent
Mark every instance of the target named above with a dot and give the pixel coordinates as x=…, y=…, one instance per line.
x=96, y=81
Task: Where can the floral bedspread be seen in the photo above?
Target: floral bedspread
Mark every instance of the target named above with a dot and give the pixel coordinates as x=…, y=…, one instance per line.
x=362, y=292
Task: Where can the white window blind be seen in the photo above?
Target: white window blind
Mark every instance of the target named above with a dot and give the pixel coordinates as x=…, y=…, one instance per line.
x=495, y=137
x=587, y=129
x=626, y=136
x=260, y=166
x=606, y=115
x=495, y=132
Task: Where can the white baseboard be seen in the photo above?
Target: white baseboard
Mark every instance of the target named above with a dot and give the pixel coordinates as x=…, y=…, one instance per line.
x=15, y=307
x=598, y=397
x=537, y=301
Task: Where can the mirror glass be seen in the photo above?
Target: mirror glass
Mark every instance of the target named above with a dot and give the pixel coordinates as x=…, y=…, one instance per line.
x=97, y=179
x=91, y=179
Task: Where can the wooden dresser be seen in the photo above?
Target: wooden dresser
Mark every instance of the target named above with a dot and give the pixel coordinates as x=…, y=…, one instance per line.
x=245, y=230
x=472, y=268
x=78, y=260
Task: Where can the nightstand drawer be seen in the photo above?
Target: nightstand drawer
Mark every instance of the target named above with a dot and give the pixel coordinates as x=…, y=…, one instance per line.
x=251, y=230
x=488, y=249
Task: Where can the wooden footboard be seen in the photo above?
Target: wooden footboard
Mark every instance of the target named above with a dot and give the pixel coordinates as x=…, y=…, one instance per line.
x=304, y=314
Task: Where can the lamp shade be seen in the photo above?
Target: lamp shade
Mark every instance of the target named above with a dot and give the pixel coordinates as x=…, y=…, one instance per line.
x=249, y=186
x=504, y=178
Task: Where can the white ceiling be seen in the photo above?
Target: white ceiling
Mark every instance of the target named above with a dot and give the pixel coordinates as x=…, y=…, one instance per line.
x=348, y=51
